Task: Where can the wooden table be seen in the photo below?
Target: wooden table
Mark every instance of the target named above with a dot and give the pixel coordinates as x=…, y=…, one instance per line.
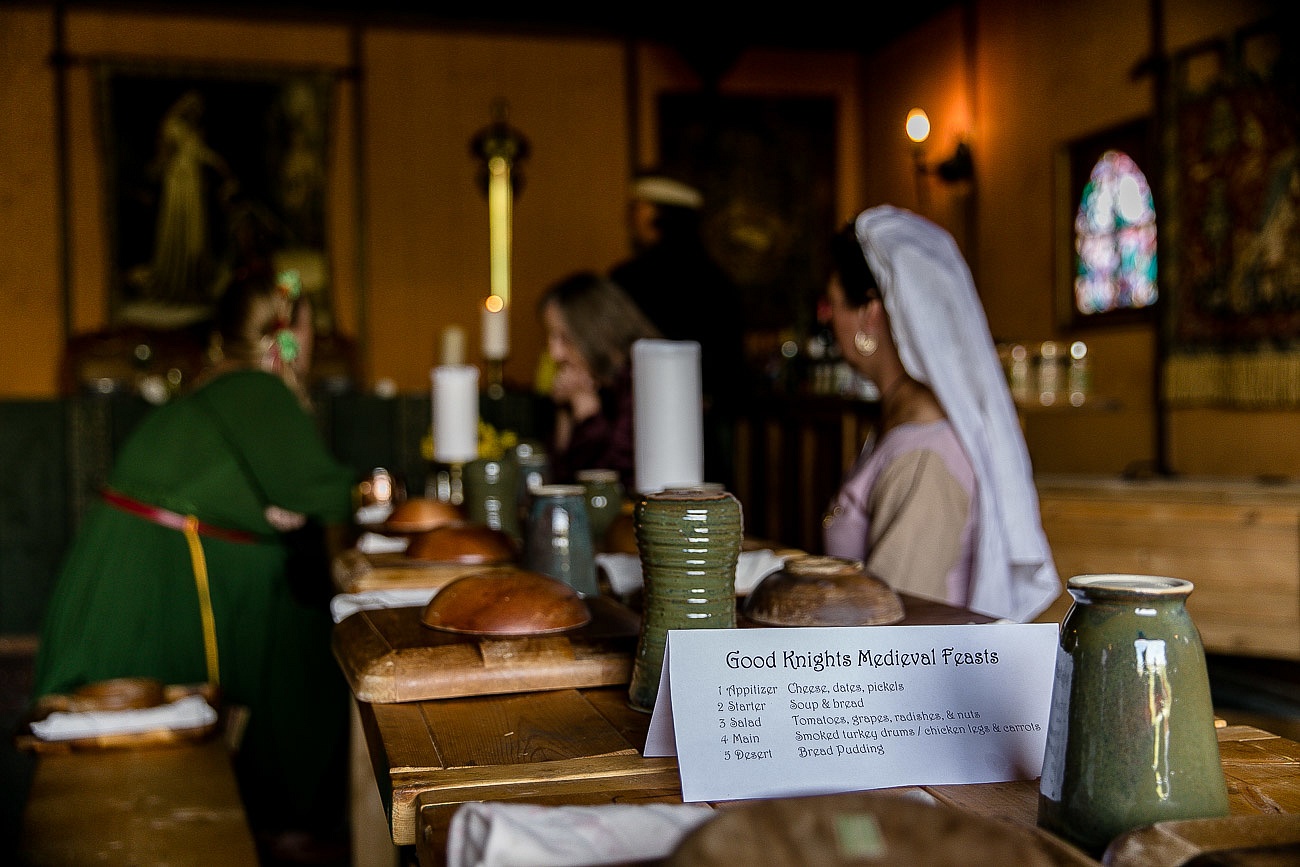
x=583, y=745
x=176, y=804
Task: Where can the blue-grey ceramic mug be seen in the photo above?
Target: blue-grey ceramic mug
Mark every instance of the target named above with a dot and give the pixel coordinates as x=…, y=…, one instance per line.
x=558, y=539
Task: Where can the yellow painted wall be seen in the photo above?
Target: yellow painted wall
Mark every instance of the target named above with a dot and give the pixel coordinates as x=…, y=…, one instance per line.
x=427, y=94
x=408, y=227
x=31, y=308
x=407, y=219
x=1021, y=79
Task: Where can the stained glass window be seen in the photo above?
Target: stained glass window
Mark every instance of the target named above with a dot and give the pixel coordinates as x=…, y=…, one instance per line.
x=1115, y=238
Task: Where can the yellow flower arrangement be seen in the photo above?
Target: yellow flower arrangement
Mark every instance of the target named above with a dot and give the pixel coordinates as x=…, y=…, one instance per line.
x=492, y=443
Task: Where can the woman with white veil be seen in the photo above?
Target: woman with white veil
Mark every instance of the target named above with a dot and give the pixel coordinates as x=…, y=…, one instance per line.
x=941, y=503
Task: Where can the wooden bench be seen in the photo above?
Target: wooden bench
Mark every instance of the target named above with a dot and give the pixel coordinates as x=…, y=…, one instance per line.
x=1238, y=541
x=176, y=804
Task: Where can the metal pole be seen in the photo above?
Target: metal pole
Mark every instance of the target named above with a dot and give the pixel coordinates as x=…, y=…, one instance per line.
x=1159, y=71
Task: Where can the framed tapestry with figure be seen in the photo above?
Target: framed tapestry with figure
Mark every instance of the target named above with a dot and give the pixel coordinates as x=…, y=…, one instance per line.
x=210, y=172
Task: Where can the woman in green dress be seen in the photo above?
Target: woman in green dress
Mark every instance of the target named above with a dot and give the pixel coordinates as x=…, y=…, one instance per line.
x=179, y=573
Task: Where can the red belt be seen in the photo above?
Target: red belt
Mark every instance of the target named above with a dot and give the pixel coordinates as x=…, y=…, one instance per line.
x=175, y=520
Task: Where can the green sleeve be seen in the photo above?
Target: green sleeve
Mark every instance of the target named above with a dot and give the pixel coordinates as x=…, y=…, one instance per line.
x=281, y=447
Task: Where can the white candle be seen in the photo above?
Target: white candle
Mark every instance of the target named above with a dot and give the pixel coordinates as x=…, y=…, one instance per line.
x=667, y=414
x=496, y=328
x=453, y=345
x=455, y=413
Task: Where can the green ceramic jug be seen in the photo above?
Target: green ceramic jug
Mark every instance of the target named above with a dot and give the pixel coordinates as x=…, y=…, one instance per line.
x=689, y=542
x=1130, y=738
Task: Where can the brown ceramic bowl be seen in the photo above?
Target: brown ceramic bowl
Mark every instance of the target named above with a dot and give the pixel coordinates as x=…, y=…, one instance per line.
x=119, y=693
x=822, y=591
x=506, y=602
x=836, y=830
x=462, y=543
x=421, y=514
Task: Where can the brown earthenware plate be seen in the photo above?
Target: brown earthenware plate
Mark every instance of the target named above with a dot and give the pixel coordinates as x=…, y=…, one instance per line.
x=860, y=828
x=419, y=515
x=620, y=536
x=118, y=693
x=822, y=591
x=506, y=602
x=462, y=543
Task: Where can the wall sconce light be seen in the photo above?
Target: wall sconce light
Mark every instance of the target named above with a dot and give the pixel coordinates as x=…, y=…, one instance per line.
x=958, y=167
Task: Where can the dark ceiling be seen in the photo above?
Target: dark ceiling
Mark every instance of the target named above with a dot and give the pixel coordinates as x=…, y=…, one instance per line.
x=863, y=26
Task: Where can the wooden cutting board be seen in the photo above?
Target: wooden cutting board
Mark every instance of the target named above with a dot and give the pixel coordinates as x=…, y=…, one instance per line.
x=354, y=572
x=1272, y=838
x=388, y=655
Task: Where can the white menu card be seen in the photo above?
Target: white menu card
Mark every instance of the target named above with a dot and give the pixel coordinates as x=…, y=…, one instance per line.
x=774, y=712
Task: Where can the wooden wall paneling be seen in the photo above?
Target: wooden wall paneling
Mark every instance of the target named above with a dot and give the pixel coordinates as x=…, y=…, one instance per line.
x=1239, y=544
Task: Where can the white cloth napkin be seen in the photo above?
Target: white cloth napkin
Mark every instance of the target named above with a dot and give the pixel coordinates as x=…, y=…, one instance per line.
x=346, y=604
x=754, y=566
x=377, y=543
x=495, y=834
x=189, y=712
x=375, y=513
x=624, y=570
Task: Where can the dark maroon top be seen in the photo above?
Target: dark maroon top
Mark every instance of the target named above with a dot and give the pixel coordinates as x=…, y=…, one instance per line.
x=604, y=441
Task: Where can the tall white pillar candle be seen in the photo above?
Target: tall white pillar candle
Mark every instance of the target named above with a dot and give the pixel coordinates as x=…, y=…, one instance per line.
x=455, y=413
x=496, y=329
x=453, y=345
x=668, y=414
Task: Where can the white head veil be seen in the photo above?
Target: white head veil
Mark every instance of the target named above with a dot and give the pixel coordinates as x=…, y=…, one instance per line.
x=943, y=339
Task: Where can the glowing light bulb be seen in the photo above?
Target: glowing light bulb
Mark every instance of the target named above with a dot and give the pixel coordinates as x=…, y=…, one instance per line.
x=918, y=125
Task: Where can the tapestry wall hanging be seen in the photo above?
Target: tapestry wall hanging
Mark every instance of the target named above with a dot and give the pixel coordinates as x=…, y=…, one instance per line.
x=1232, y=321
x=212, y=172
x=766, y=166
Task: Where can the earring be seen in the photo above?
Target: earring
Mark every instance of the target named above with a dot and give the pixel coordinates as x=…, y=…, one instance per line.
x=865, y=344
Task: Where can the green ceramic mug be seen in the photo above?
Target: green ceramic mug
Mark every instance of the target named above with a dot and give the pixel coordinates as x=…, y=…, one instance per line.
x=558, y=541
x=491, y=489
x=604, y=500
